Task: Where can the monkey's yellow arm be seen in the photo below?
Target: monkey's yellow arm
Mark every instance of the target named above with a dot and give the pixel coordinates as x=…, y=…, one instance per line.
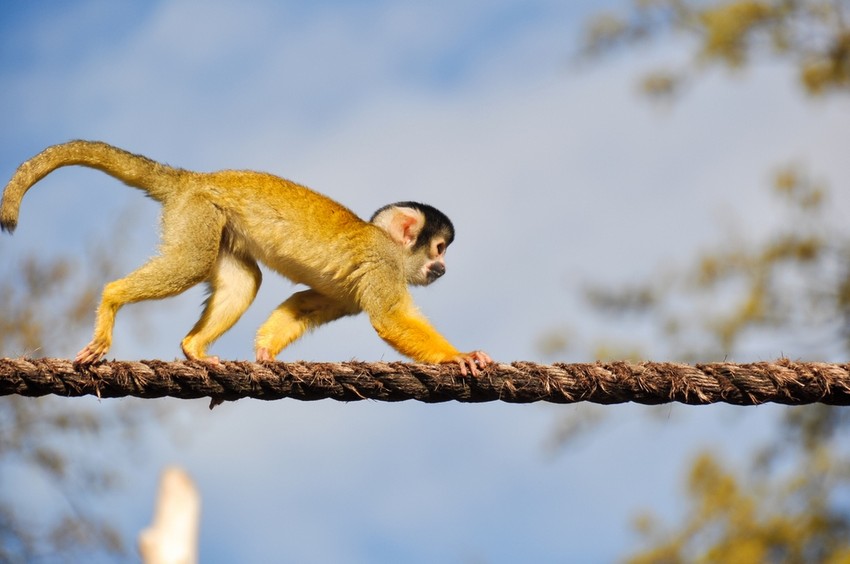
x=411, y=334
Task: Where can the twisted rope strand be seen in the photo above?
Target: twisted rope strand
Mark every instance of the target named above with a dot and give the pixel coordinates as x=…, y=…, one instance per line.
x=782, y=381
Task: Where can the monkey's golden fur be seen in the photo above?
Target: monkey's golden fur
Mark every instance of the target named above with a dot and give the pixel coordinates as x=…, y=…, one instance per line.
x=217, y=226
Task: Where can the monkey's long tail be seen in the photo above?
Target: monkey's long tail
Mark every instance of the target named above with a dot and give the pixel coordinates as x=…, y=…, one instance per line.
x=134, y=170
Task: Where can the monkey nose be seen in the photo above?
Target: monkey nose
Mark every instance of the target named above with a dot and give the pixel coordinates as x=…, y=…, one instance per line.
x=437, y=270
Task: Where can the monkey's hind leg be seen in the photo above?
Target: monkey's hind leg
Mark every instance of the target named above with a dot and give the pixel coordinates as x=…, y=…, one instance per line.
x=301, y=312
x=191, y=236
x=233, y=286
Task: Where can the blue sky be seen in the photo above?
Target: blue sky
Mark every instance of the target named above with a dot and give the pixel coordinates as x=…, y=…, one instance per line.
x=554, y=174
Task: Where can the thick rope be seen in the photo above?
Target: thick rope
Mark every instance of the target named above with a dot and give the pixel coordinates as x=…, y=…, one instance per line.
x=782, y=381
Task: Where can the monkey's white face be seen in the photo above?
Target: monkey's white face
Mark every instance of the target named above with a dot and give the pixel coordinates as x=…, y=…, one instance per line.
x=428, y=263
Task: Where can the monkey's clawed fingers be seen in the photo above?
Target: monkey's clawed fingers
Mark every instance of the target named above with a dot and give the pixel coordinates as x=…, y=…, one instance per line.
x=472, y=361
x=91, y=353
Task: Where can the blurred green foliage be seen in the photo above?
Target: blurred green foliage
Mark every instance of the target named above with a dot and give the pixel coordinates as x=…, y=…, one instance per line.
x=791, y=503
x=812, y=35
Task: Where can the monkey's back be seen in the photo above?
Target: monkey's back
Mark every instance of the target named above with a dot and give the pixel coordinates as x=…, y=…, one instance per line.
x=302, y=234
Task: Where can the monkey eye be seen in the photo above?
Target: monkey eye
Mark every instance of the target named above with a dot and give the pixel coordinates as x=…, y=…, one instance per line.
x=441, y=248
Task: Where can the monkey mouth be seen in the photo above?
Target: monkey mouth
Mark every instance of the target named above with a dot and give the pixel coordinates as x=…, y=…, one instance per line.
x=435, y=272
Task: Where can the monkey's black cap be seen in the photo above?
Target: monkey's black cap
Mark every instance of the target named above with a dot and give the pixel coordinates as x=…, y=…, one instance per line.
x=436, y=222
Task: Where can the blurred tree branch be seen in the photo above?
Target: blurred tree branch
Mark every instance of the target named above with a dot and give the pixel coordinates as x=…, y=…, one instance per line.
x=46, y=302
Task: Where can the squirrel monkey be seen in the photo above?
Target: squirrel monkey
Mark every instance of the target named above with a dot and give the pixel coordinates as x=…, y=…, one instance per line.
x=217, y=226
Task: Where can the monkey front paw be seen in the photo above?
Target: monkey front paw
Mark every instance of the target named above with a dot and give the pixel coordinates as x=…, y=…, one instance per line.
x=472, y=362
x=93, y=352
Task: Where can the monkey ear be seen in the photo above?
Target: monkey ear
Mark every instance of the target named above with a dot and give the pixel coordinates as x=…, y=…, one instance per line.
x=402, y=224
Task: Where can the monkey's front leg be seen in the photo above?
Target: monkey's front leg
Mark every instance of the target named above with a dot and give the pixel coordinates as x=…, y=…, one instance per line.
x=301, y=312
x=410, y=333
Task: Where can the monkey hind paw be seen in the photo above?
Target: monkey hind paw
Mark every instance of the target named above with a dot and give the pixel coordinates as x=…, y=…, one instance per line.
x=264, y=355
x=204, y=359
x=92, y=353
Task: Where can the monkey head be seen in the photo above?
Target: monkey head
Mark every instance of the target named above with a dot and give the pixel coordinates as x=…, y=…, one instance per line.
x=424, y=232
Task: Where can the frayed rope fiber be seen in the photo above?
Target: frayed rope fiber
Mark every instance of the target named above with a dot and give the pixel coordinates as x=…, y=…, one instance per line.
x=782, y=381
